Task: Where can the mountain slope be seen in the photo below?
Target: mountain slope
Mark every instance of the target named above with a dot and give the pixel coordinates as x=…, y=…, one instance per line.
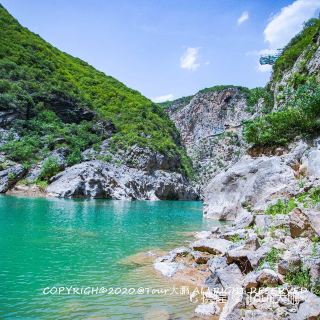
x=48, y=95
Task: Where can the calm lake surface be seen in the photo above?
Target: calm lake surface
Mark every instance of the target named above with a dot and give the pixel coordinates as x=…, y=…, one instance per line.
x=54, y=242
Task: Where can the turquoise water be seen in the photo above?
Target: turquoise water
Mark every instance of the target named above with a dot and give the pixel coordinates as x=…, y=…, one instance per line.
x=57, y=243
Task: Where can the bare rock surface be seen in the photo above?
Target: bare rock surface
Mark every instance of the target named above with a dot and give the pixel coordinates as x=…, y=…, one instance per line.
x=97, y=179
x=249, y=183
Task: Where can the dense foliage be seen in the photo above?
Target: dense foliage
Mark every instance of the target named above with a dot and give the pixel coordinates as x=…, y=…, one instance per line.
x=300, y=116
x=35, y=78
x=306, y=39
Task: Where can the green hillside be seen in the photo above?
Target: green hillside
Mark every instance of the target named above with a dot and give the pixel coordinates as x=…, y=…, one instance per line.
x=50, y=93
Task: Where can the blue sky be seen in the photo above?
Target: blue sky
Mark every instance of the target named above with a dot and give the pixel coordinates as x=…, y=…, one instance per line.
x=168, y=48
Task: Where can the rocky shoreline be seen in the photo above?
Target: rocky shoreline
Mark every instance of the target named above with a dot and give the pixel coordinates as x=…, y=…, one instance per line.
x=267, y=254
x=271, y=250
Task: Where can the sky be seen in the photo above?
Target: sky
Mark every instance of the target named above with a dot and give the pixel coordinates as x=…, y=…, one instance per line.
x=167, y=49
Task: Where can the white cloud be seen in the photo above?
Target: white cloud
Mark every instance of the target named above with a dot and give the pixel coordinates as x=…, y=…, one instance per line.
x=258, y=53
x=163, y=98
x=244, y=17
x=189, y=59
x=264, y=67
x=283, y=26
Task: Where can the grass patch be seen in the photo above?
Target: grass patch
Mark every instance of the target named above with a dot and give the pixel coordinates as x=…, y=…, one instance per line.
x=299, y=278
x=281, y=207
x=235, y=238
x=272, y=258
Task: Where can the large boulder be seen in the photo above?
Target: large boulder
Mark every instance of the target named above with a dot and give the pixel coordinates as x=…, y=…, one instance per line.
x=10, y=174
x=97, y=179
x=148, y=160
x=250, y=183
x=312, y=163
x=304, y=223
x=309, y=309
x=214, y=246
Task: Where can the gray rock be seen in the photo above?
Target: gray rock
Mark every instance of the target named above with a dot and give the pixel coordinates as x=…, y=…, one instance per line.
x=257, y=315
x=148, y=160
x=289, y=261
x=216, y=263
x=262, y=221
x=201, y=257
x=250, y=280
x=167, y=265
x=7, y=135
x=168, y=269
x=240, y=256
x=309, y=309
x=203, y=234
x=304, y=223
x=214, y=246
x=207, y=309
x=255, y=257
x=59, y=155
x=250, y=182
x=96, y=179
x=230, y=276
x=210, y=127
x=10, y=176
x=252, y=243
x=280, y=220
x=241, y=233
x=231, y=310
x=315, y=273
x=268, y=277
x=245, y=219
x=313, y=163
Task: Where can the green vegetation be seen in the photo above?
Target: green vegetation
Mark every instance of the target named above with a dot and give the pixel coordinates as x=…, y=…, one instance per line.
x=281, y=207
x=272, y=258
x=49, y=168
x=301, y=116
x=42, y=185
x=38, y=82
x=299, y=278
x=223, y=87
x=306, y=199
x=303, y=40
x=235, y=238
x=183, y=101
x=46, y=131
x=300, y=113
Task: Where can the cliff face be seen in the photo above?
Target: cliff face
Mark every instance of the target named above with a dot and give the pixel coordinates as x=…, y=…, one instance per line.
x=210, y=124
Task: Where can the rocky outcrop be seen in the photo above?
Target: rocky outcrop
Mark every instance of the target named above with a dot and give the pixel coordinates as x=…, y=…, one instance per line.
x=305, y=223
x=97, y=179
x=250, y=183
x=135, y=157
x=10, y=173
x=210, y=127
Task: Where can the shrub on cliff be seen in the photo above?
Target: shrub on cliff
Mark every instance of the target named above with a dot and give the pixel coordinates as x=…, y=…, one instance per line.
x=302, y=41
x=300, y=116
